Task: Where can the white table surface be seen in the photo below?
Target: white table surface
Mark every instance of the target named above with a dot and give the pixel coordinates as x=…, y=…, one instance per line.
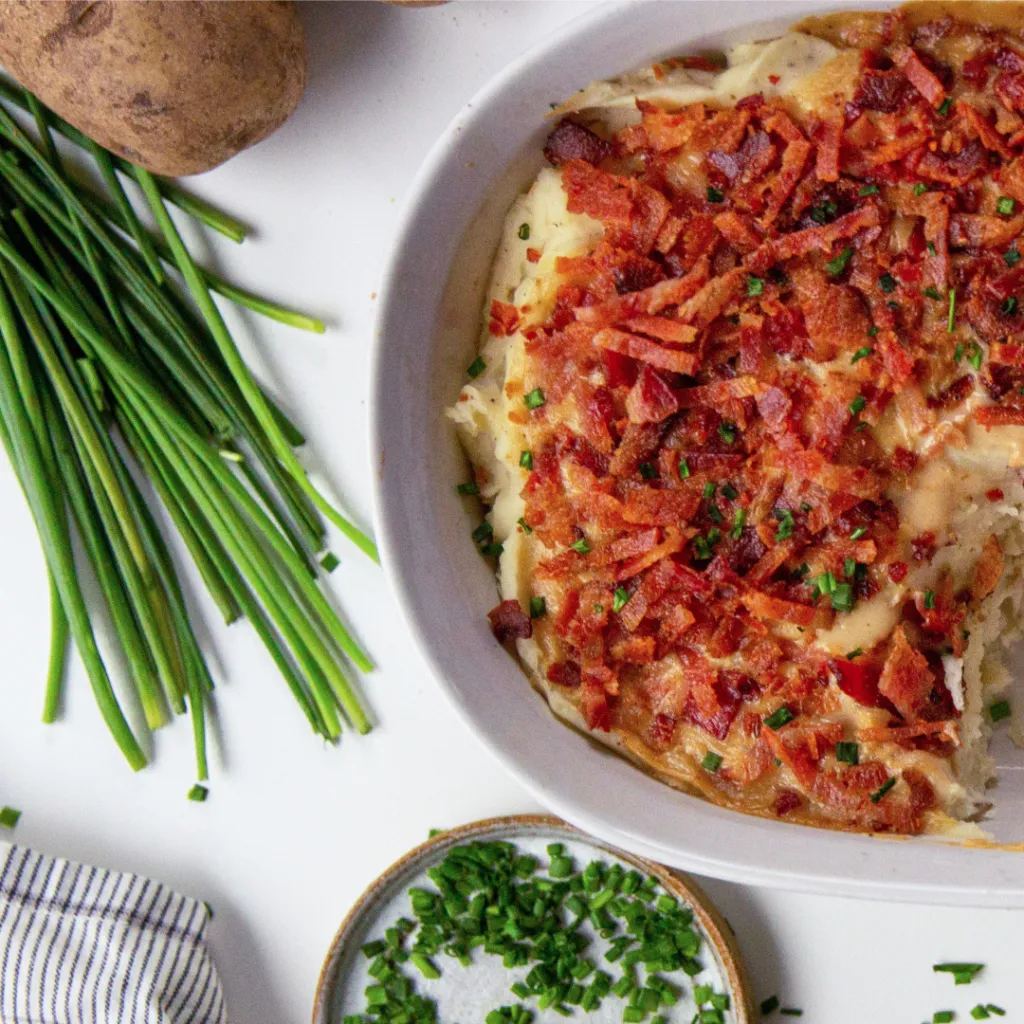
x=294, y=830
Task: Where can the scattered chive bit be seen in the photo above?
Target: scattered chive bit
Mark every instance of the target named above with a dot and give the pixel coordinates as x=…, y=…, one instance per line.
x=980, y=1012
x=684, y=470
x=929, y=599
x=712, y=761
x=777, y=719
x=755, y=285
x=847, y=753
x=857, y=405
x=538, y=607
x=647, y=471
x=715, y=195
x=858, y=533
x=932, y=251
x=527, y=528
x=1009, y=306
x=824, y=212
x=330, y=562
x=931, y=292
x=958, y=352
x=838, y=265
x=920, y=188
x=791, y=1011
x=483, y=532
x=861, y=353
x=963, y=973
x=842, y=597
x=492, y=550
x=942, y=1016
x=997, y=1010
x=534, y=399
x=945, y=107
x=1011, y=257
x=849, y=567
x=476, y=367
x=883, y=789
x=737, y=524
x=581, y=546
x=1005, y=205
x=887, y=283
x=873, y=331
x=197, y=794
x=524, y=232
x=998, y=711
x=974, y=355
x=868, y=190
x=855, y=653
x=785, y=518
x=468, y=488
x=769, y=1005
x=729, y=492
x=951, y=323
x=620, y=599
x=826, y=583
x=9, y=817
x=430, y=835
x=526, y=460
x=709, y=491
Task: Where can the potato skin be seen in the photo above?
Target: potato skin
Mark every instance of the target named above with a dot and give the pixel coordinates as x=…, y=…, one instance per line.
x=177, y=87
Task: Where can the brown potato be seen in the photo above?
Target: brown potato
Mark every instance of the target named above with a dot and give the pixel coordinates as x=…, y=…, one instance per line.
x=177, y=87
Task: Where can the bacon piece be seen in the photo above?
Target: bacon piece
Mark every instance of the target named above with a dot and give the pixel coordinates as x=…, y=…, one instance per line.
x=827, y=135
x=654, y=299
x=571, y=141
x=564, y=673
x=650, y=400
x=897, y=149
x=710, y=705
x=849, y=788
x=634, y=650
x=905, y=734
x=956, y=170
x=919, y=76
x=834, y=314
x=709, y=302
x=979, y=231
x=735, y=230
x=504, y=319
x=630, y=546
x=826, y=512
x=673, y=625
x=770, y=562
x=812, y=466
x=1008, y=355
x=639, y=442
x=906, y=679
x=661, y=507
x=605, y=197
x=1009, y=87
x=989, y=570
x=798, y=149
x=800, y=243
x=859, y=680
x=509, y=622
x=636, y=346
x=764, y=606
x=801, y=748
x=594, y=706
x=787, y=800
x=662, y=328
x=713, y=395
x=656, y=582
x=990, y=416
x=884, y=91
x=671, y=545
x=986, y=134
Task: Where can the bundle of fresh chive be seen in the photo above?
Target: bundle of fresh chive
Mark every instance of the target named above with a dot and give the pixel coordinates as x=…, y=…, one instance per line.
x=106, y=368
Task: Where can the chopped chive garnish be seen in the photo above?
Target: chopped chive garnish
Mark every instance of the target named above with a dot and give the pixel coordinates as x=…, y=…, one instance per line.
x=836, y=266
x=524, y=231
x=197, y=794
x=980, y=1012
x=712, y=761
x=755, y=285
x=848, y=753
x=709, y=491
x=526, y=460
x=824, y=212
x=729, y=492
x=931, y=292
x=1009, y=306
x=861, y=353
x=469, y=488
x=647, y=471
x=951, y=322
x=534, y=399
x=423, y=965
x=997, y=1010
x=883, y=789
x=959, y=970
x=581, y=546
x=932, y=251
x=684, y=470
x=868, y=190
x=887, y=283
x=476, y=367
x=527, y=528
x=777, y=719
x=714, y=513
x=849, y=567
x=1005, y=205
x=715, y=195
x=929, y=599
x=1000, y=710
x=855, y=653
x=785, y=528
x=873, y=331
x=942, y=1016
x=483, y=532
x=330, y=562
x=920, y=188
x=620, y=599
x=858, y=533
x=958, y=352
x=738, y=522
x=769, y=1005
x=791, y=1011
x=843, y=598
x=492, y=550
x=945, y=107
x=857, y=405
x=974, y=355
x=1011, y=257
x=538, y=607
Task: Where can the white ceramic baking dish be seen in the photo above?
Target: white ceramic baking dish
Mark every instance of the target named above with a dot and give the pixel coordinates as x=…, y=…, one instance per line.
x=426, y=332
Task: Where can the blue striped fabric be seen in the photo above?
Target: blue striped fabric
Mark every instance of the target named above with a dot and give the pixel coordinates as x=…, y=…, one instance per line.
x=79, y=945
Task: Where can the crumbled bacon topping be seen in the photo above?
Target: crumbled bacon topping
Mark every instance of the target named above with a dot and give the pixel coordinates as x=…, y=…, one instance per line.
x=707, y=488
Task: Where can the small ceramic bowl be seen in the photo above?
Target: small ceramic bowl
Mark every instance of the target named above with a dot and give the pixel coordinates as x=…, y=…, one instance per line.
x=472, y=992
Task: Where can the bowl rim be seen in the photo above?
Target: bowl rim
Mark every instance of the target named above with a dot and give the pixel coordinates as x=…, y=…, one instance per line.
x=995, y=876
x=717, y=931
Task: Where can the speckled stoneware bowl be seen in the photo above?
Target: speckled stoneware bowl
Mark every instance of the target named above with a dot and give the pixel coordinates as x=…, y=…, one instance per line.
x=468, y=994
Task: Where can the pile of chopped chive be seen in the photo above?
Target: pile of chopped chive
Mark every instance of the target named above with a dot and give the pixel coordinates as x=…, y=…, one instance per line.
x=108, y=371
x=493, y=898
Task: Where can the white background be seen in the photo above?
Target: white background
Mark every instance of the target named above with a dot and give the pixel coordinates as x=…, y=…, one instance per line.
x=293, y=830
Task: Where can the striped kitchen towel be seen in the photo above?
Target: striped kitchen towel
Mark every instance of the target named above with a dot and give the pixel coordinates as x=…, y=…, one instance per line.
x=80, y=945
